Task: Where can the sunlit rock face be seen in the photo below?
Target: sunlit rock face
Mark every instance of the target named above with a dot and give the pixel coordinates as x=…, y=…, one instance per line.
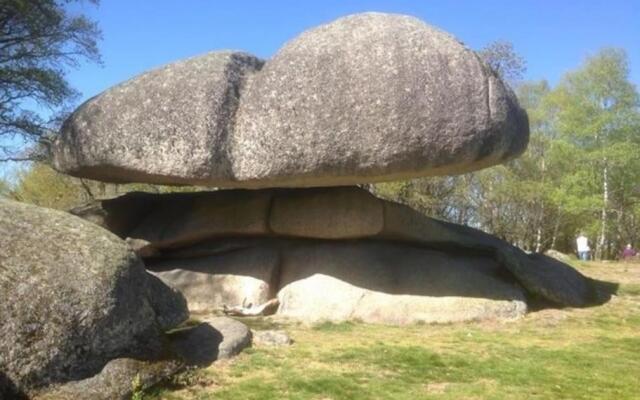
x=369, y=97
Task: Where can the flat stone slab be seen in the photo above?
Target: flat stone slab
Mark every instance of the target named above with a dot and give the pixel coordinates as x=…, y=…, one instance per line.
x=377, y=282
x=210, y=244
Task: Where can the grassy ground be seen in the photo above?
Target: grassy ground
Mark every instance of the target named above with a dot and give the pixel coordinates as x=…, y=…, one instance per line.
x=589, y=353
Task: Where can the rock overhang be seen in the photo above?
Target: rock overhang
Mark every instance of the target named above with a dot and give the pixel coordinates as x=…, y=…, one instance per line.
x=370, y=97
x=225, y=232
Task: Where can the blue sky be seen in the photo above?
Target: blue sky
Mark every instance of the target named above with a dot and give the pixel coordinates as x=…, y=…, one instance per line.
x=553, y=36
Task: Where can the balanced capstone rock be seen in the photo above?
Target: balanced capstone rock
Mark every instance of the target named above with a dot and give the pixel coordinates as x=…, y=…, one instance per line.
x=370, y=97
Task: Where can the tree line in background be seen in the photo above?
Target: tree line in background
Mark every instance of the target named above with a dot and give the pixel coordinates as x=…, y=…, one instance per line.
x=580, y=173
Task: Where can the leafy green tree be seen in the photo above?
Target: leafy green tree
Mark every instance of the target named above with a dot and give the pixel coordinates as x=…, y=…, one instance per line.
x=579, y=173
x=596, y=112
x=39, y=41
x=39, y=184
x=42, y=186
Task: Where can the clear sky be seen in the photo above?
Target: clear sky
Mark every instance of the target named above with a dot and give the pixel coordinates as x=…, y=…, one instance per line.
x=553, y=36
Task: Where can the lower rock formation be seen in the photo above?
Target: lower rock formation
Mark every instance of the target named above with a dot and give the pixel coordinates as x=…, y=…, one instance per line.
x=335, y=254
x=80, y=316
x=74, y=297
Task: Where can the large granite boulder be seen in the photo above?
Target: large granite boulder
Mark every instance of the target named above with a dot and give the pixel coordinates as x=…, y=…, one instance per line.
x=369, y=97
x=73, y=296
x=169, y=126
x=373, y=97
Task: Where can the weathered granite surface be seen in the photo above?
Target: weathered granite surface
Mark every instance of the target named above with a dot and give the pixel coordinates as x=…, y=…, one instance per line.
x=231, y=262
x=73, y=296
x=369, y=97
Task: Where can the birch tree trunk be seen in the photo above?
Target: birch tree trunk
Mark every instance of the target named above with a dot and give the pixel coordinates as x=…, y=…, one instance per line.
x=603, y=217
x=542, y=208
x=556, y=228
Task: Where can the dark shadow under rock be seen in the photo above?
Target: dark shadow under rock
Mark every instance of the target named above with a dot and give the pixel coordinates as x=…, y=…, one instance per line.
x=168, y=303
x=604, y=290
x=245, y=275
x=556, y=281
x=197, y=346
x=540, y=275
x=215, y=338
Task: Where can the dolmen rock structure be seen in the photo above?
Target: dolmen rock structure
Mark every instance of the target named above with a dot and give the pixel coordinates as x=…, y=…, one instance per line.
x=285, y=142
x=367, y=98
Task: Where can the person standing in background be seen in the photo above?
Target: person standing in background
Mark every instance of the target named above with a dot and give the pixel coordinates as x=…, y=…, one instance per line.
x=582, y=245
x=628, y=253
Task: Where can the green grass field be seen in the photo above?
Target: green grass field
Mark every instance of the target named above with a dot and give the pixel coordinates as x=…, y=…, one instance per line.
x=591, y=353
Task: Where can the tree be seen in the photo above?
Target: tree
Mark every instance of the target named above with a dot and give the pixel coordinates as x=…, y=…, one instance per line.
x=39, y=41
x=465, y=199
x=503, y=59
x=44, y=187
x=39, y=184
x=597, y=113
x=579, y=173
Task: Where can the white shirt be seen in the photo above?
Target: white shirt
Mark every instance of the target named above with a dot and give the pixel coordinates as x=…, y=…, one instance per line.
x=583, y=244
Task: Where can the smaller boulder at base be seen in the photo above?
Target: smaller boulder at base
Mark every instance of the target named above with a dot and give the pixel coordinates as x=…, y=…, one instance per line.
x=271, y=338
x=74, y=297
x=213, y=339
